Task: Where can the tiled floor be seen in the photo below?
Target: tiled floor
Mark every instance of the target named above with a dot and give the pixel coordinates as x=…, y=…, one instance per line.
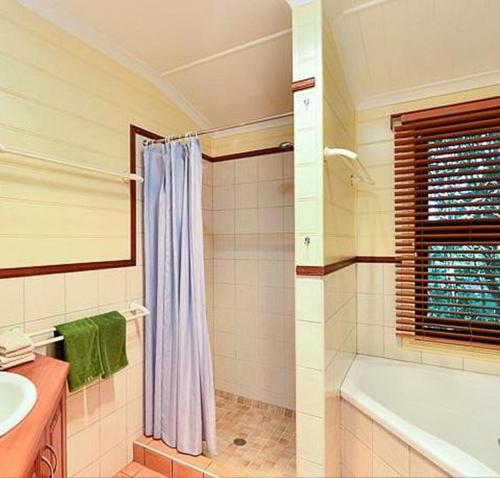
x=138, y=471
x=269, y=433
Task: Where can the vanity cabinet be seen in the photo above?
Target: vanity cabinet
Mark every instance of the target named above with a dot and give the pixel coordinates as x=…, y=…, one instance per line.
x=51, y=459
x=36, y=447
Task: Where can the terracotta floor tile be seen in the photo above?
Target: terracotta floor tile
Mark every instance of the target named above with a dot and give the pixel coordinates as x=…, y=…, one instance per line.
x=132, y=468
x=143, y=439
x=162, y=447
x=158, y=463
x=147, y=473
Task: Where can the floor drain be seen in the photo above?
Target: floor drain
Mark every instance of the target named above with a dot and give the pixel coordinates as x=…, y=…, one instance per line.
x=239, y=441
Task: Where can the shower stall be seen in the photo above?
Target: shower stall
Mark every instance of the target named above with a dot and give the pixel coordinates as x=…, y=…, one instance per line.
x=248, y=244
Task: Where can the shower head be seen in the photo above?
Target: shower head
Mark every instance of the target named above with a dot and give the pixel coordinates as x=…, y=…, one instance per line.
x=286, y=146
x=346, y=153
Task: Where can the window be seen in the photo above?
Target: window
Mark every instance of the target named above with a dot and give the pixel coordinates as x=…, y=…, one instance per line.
x=447, y=203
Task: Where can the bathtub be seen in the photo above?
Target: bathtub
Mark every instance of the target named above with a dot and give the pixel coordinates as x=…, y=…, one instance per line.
x=450, y=416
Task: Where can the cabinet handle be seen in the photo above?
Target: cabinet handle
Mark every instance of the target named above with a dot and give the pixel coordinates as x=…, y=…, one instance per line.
x=54, y=454
x=47, y=462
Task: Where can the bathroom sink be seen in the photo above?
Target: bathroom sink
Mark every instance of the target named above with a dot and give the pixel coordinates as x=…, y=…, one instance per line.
x=17, y=397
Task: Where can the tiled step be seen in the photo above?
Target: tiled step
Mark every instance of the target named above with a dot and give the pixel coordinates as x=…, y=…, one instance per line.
x=137, y=470
x=157, y=456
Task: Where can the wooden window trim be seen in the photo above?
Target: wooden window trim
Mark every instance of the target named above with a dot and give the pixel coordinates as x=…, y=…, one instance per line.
x=417, y=135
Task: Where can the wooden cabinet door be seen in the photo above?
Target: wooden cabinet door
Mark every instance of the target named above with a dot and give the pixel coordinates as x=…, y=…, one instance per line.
x=56, y=439
x=51, y=459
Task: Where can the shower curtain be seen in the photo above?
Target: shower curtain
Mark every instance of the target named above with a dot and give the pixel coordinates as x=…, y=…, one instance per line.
x=179, y=390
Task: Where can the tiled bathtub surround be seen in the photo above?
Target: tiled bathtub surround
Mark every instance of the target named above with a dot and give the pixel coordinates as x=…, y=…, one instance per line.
x=370, y=450
x=253, y=276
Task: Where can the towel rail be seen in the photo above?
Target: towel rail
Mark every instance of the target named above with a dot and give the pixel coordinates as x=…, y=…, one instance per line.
x=136, y=311
x=26, y=154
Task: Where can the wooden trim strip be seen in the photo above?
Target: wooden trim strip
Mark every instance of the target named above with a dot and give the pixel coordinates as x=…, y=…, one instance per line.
x=247, y=154
x=376, y=259
x=88, y=266
x=320, y=271
x=304, y=84
x=455, y=108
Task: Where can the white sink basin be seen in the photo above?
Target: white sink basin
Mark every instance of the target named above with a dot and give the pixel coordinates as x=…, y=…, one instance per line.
x=17, y=397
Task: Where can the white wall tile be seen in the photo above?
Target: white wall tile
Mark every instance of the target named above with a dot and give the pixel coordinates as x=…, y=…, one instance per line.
x=310, y=391
x=247, y=221
x=44, y=296
x=223, y=173
x=112, y=429
x=112, y=286
x=247, y=196
x=310, y=430
x=12, y=302
x=246, y=170
x=223, y=197
x=270, y=167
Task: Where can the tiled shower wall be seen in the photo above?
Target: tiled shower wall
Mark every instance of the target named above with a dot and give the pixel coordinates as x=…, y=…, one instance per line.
x=253, y=277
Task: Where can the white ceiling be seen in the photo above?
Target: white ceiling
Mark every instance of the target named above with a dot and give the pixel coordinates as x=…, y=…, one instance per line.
x=397, y=50
x=223, y=61
x=227, y=61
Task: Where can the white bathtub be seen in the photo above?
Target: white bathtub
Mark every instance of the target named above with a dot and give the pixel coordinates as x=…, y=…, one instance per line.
x=450, y=416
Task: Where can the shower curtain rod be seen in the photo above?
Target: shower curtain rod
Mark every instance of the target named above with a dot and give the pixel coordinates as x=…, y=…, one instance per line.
x=221, y=128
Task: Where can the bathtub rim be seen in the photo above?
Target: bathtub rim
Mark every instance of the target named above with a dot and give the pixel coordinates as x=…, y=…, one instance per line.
x=446, y=456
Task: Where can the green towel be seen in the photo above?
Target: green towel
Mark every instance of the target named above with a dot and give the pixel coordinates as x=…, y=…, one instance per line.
x=82, y=351
x=95, y=347
x=112, y=341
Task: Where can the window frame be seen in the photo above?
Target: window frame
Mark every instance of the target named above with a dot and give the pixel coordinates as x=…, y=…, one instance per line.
x=419, y=306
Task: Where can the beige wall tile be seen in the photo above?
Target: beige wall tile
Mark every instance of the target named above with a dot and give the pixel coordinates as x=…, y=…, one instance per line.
x=421, y=467
x=83, y=449
x=310, y=391
x=483, y=366
x=443, y=360
x=309, y=345
x=12, y=302
x=82, y=290
x=382, y=469
x=308, y=469
x=112, y=286
x=114, y=460
x=44, y=296
x=223, y=173
x=370, y=339
x=310, y=438
x=113, y=393
x=391, y=450
x=359, y=424
x=356, y=456
x=113, y=429
x=82, y=409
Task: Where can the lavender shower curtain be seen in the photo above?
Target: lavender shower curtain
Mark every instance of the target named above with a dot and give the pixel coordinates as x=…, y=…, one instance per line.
x=180, y=401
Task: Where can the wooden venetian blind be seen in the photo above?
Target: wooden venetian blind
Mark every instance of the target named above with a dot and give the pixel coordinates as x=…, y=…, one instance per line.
x=447, y=195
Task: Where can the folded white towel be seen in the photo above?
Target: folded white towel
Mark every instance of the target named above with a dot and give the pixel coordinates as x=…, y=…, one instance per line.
x=14, y=340
x=17, y=353
x=9, y=363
